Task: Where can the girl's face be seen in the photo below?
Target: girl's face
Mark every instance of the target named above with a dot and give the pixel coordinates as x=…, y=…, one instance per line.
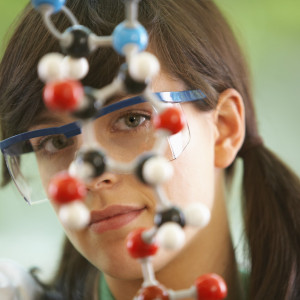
x=193, y=180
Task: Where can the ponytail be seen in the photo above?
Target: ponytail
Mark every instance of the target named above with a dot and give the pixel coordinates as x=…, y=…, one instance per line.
x=271, y=194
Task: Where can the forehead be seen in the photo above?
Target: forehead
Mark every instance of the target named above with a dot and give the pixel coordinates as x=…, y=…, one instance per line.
x=165, y=82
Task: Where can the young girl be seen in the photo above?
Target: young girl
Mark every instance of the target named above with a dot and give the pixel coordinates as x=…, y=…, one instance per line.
x=197, y=52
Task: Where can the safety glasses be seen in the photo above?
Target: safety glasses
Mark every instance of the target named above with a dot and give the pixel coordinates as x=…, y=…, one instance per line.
x=123, y=129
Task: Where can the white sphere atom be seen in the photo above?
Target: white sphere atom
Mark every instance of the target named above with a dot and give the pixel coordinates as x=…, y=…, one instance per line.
x=197, y=214
x=143, y=66
x=50, y=67
x=157, y=170
x=171, y=236
x=74, y=215
x=83, y=171
x=75, y=68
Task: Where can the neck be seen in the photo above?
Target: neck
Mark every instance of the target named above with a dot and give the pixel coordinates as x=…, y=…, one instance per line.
x=210, y=251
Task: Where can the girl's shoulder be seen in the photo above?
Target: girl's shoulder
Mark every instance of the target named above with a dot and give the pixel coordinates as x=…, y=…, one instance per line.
x=16, y=283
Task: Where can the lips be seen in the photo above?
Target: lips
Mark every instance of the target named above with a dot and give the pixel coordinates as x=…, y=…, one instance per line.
x=113, y=217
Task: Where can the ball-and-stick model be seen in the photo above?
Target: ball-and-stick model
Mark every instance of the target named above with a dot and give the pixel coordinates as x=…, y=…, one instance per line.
x=64, y=92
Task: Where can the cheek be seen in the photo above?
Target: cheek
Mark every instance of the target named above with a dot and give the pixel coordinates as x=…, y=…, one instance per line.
x=192, y=182
x=193, y=178
x=77, y=237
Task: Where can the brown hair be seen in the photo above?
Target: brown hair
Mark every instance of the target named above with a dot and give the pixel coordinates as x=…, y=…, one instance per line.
x=196, y=45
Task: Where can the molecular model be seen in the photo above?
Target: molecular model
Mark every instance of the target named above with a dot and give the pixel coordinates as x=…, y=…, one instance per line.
x=63, y=92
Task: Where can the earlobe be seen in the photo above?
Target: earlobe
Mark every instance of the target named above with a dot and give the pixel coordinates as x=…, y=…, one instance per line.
x=230, y=126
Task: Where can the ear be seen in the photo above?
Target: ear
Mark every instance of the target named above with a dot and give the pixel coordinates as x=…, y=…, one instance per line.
x=230, y=126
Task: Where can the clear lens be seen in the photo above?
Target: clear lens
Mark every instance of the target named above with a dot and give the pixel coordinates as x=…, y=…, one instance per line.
x=126, y=133
x=25, y=174
x=123, y=134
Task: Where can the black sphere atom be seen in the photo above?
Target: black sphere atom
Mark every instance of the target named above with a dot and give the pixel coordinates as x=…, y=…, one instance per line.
x=139, y=170
x=172, y=214
x=94, y=158
x=79, y=41
x=132, y=86
x=90, y=107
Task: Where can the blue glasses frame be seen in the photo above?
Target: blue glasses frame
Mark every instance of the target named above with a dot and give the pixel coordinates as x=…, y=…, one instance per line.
x=73, y=128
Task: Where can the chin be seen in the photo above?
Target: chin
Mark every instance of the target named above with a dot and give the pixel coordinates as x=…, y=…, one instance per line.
x=121, y=267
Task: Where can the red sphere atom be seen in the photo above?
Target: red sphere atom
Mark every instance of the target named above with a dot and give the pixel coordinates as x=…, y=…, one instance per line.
x=63, y=95
x=171, y=119
x=153, y=292
x=64, y=189
x=211, y=287
x=137, y=247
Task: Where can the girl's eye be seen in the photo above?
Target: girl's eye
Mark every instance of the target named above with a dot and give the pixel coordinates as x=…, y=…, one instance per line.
x=131, y=121
x=53, y=144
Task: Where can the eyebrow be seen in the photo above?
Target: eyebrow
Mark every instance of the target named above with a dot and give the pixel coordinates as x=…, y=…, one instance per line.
x=47, y=118
x=118, y=98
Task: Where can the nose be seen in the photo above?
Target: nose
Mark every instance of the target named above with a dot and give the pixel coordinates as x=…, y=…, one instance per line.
x=105, y=181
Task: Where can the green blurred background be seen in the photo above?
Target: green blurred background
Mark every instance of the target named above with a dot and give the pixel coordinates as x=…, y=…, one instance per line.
x=269, y=32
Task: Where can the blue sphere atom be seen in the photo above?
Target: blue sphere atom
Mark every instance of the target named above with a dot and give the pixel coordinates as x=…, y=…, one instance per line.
x=57, y=4
x=124, y=35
